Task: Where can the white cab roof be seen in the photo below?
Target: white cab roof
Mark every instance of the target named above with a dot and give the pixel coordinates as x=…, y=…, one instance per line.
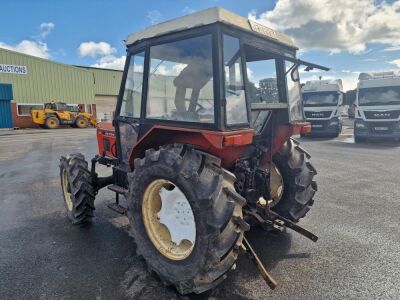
x=323, y=85
x=205, y=17
x=378, y=79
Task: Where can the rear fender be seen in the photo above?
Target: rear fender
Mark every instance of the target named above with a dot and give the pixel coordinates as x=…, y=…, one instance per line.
x=282, y=135
x=227, y=145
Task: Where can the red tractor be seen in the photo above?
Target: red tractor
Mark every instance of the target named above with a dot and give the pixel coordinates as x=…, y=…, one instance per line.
x=201, y=145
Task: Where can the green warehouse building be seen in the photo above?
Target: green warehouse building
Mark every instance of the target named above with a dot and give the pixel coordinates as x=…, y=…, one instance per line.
x=27, y=82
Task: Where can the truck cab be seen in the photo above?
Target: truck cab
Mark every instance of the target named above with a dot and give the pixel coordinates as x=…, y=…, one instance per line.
x=322, y=100
x=377, y=106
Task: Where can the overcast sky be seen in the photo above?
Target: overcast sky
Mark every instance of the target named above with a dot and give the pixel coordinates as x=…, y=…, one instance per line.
x=350, y=36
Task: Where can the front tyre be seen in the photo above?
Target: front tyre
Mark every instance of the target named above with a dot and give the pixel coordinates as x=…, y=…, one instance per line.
x=77, y=188
x=186, y=217
x=297, y=175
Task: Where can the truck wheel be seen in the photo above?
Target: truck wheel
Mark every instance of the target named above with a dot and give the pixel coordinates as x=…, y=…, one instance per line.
x=52, y=122
x=77, y=187
x=294, y=198
x=81, y=122
x=186, y=217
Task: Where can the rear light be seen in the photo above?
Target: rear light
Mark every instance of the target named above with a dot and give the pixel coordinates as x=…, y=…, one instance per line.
x=305, y=129
x=238, y=140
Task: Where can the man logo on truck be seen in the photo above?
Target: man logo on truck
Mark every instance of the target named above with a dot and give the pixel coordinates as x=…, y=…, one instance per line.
x=382, y=115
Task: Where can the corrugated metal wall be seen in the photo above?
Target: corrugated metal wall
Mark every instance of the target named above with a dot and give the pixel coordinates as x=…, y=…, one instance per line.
x=47, y=80
x=106, y=82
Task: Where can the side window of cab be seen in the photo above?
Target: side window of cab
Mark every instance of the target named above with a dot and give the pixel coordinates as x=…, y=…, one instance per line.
x=132, y=97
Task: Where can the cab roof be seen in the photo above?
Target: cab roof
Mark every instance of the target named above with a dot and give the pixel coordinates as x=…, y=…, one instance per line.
x=206, y=17
x=323, y=85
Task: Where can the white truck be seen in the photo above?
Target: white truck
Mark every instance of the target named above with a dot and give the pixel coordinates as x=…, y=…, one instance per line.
x=377, y=106
x=322, y=100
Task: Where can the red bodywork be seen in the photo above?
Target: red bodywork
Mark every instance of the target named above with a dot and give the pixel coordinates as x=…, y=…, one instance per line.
x=106, y=139
x=227, y=145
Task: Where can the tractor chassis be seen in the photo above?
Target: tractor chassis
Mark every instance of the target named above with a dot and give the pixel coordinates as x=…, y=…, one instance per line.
x=255, y=213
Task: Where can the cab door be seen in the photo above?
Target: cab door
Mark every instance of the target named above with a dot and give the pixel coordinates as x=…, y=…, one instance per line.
x=127, y=120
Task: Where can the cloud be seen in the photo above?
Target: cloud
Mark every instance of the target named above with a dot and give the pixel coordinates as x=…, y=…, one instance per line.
x=103, y=52
x=154, y=17
x=342, y=25
x=396, y=62
x=46, y=28
x=250, y=73
x=164, y=70
x=110, y=62
x=187, y=10
x=94, y=49
x=394, y=48
x=34, y=48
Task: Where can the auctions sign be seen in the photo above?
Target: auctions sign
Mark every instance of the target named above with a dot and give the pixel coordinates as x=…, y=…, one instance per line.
x=11, y=69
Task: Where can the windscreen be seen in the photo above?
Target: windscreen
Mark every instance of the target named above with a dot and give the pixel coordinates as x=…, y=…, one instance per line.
x=181, y=81
x=388, y=95
x=320, y=99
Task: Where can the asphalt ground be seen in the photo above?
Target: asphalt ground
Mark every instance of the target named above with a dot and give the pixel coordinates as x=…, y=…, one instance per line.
x=355, y=215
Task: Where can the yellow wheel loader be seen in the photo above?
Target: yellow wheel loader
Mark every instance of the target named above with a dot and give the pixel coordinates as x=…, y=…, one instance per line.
x=55, y=114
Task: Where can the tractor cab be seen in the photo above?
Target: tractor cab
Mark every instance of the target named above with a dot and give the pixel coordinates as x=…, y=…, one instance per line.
x=200, y=146
x=210, y=71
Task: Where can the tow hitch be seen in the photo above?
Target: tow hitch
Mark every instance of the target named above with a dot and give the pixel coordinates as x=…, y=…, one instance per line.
x=270, y=221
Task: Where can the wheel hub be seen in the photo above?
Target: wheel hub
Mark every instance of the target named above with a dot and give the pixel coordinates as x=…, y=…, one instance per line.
x=169, y=219
x=276, y=186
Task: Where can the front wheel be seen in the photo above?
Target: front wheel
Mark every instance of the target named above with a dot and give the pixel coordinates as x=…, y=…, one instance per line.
x=186, y=217
x=77, y=188
x=294, y=182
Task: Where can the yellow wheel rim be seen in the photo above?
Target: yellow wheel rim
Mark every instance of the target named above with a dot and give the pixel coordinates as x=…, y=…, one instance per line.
x=52, y=123
x=169, y=220
x=65, y=187
x=276, y=186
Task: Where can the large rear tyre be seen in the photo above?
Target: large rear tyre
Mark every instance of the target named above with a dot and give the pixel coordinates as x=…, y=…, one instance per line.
x=186, y=217
x=77, y=187
x=299, y=187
